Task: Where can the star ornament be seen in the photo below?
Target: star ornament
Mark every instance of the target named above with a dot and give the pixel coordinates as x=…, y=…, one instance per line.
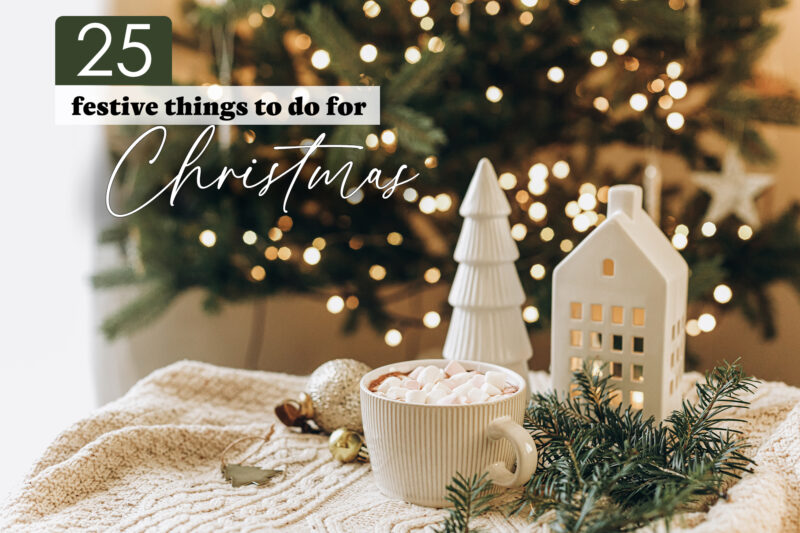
x=733, y=191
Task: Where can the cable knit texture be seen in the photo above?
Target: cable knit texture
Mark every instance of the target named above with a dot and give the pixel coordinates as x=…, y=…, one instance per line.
x=150, y=462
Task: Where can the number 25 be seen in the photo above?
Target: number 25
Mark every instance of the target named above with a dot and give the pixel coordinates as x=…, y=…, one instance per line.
x=127, y=43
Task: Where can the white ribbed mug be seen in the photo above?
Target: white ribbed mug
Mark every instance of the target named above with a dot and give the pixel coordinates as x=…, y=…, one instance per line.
x=416, y=449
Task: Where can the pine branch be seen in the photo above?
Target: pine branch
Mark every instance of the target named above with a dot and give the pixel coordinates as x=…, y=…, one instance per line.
x=469, y=501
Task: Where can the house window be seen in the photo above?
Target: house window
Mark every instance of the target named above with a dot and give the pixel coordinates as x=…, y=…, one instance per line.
x=576, y=338
x=638, y=345
x=575, y=364
x=637, y=399
x=616, y=314
x=616, y=343
x=596, y=340
x=672, y=359
x=608, y=267
x=671, y=386
x=616, y=370
x=638, y=316
x=576, y=310
x=673, y=331
x=597, y=367
x=597, y=312
x=637, y=373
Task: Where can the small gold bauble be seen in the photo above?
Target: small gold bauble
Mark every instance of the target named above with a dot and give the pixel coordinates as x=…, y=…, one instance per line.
x=334, y=392
x=345, y=445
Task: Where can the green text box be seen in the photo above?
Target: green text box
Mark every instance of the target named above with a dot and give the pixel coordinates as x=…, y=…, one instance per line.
x=113, y=51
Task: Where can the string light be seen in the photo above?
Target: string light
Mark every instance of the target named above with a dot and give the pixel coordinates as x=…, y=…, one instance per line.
x=394, y=239
x=335, y=304
x=620, y=46
x=560, y=169
x=538, y=171
x=529, y=3
x=555, y=74
x=311, y=255
x=284, y=253
x=457, y=8
x=492, y=7
x=275, y=234
x=723, y=293
x=432, y=275
x=537, y=211
x=566, y=246
x=547, y=234
x=419, y=8
x=368, y=53
x=518, y=231
x=431, y=161
x=393, y=337
x=602, y=194
x=665, y=101
x=435, y=45
x=426, y=23
x=530, y=314
x=258, y=273
x=443, y=202
x=581, y=222
x=706, y=322
x=249, y=136
x=677, y=89
x=302, y=41
x=355, y=243
x=271, y=253
x=249, y=237
x=708, y=229
x=674, y=69
x=601, y=104
x=587, y=201
x=319, y=243
x=638, y=102
x=683, y=229
x=377, y=272
x=372, y=141
x=494, y=94
x=371, y=9
x=522, y=196
x=507, y=181
x=692, y=329
x=413, y=55
x=427, y=204
x=526, y=18
x=656, y=86
x=572, y=209
x=354, y=196
x=208, y=238
x=537, y=186
x=285, y=223
x=675, y=120
x=598, y=58
x=745, y=232
x=538, y=271
x=388, y=137
x=320, y=59
x=631, y=64
x=351, y=302
x=410, y=195
x=431, y=319
x=268, y=10
x=679, y=241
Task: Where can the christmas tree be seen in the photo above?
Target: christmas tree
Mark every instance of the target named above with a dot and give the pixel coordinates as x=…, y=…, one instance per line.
x=486, y=296
x=541, y=87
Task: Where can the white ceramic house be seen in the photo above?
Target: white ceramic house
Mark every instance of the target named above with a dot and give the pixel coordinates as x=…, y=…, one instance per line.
x=487, y=294
x=620, y=298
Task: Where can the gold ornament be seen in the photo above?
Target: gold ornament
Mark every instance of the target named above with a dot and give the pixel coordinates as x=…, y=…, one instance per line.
x=332, y=400
x=347, y=446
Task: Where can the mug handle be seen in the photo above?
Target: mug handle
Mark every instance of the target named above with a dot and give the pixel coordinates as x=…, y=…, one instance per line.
x=524, y=449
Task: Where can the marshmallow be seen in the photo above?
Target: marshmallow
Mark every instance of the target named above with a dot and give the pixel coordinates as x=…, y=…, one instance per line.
x=412, y=384
x=415, y=373
x=450, y=399
x=490, y=389
x=463, y=389
x=478, y=380
x=437, y=394
x=416, y=396
x=498, y=379
x=388, y=383
x=428, y=387
x=458, y=379
x=454, y=367
x=430, y=374
x=477, y=395
x=397, y=393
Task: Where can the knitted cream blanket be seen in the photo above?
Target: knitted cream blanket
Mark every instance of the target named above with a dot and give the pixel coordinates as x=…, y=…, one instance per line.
x=151, y=462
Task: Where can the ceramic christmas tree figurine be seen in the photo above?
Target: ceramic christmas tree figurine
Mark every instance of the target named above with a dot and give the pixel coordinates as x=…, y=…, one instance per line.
x=620, y=299
x=487, y=294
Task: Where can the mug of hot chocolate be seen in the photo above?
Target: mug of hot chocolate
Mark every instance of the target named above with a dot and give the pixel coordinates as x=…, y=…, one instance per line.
x=425, y=421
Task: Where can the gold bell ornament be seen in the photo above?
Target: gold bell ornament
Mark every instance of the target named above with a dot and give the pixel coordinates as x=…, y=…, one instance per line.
x=347, y=446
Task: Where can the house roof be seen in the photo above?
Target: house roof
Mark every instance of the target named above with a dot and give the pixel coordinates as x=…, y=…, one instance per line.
x=625, y=212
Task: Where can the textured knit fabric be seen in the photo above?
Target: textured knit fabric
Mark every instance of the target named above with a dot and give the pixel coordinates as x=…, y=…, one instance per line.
x=151, y=462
